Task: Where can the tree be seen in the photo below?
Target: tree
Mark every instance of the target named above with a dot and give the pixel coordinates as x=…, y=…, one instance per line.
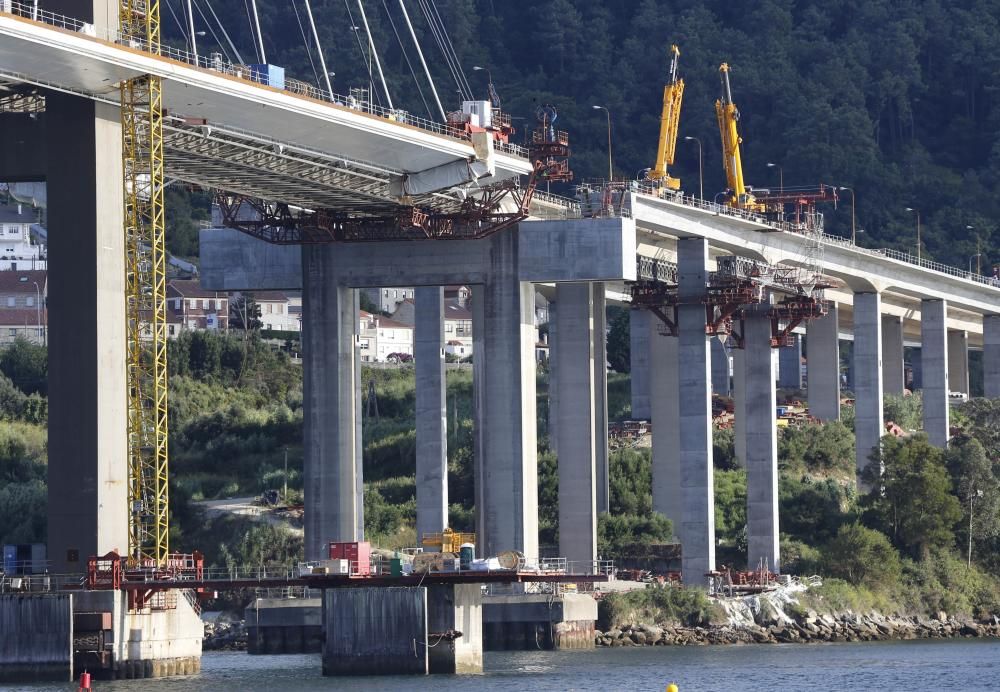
x=911, y=500
x=977, y=488
x=862, y=556
x=244, y=314
x=27, y=365
x=620, y=341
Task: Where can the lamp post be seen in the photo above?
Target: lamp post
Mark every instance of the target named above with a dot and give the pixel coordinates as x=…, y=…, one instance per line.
x=853, y=231
x=491, y=90
x=917, y=212
x=781, y=176
x=611, y=174
x=972, y=496
x=701, y=170
x=38, y=312
x=978, y=255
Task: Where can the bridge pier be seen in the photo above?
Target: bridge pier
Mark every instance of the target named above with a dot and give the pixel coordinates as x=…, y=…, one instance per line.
x=697, y=528
x=599, y=335
x=639, y=362
x=958, y=361
x=991, y=356
x=720, y=366
x=934, y=369
x=431, y=411
x=790, y=365
x=665, y=416
x=824, y=365
x=893, y=380
x=867, y=377
x=740, y=406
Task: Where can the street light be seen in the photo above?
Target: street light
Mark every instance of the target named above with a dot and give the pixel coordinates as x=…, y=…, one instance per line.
x=972, y=496
x=853, y=232
x=611, y=171
x=490, y=89
x=917, y=211
x=781, y=176
x=701, y=170
x=978, y=255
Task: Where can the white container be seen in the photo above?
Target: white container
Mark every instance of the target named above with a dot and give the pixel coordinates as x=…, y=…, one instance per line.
x=339, y=566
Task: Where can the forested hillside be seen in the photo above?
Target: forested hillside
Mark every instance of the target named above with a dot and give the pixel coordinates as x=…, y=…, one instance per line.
x=897, y=99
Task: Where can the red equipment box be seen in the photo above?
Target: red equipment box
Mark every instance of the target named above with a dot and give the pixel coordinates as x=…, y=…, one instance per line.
x=358, y=553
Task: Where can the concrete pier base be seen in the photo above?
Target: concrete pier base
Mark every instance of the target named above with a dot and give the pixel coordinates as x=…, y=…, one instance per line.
x=36, y=637
x=934, y=365
x=284, y=626
x=824, y=366
x=539, y=621
x=403, y=630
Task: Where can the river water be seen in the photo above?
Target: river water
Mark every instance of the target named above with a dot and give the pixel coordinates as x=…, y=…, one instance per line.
x=914, y=666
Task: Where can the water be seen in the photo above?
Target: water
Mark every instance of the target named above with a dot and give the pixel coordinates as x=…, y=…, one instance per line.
x=883, y=666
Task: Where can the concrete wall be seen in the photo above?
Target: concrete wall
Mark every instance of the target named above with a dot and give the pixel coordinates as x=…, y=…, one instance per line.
x=456, y=608
x=529, y=623
x=375, y=631
x=36, y=637
x=284, y=625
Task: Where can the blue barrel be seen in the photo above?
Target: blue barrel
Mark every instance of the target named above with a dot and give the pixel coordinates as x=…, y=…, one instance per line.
x=466, y=554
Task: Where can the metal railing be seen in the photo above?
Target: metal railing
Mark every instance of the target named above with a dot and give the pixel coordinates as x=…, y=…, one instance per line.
x=216, y=63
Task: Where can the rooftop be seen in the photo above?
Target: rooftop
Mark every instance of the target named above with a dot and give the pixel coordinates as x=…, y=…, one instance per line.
x=22, y=281
x=17, y=213
x=191, y=288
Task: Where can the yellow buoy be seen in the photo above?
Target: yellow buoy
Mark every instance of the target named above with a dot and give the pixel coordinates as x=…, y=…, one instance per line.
x=672, y=687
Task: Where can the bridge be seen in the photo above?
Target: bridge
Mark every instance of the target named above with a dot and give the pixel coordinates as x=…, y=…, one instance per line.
x=310, y=150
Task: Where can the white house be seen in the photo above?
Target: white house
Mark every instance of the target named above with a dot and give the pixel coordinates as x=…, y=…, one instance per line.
x=18, y=251
x=379, y=337
x=279, y=311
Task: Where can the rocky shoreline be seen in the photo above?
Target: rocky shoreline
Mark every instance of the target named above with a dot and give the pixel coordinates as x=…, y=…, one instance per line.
x=808, y=628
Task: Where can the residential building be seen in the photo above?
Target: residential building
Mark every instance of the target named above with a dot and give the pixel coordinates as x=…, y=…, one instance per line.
x=457, y=321
x=379, y=337
x=18, y=250
x=276, y=310
x=388, y=299
x=22, y=305
x=189, y=306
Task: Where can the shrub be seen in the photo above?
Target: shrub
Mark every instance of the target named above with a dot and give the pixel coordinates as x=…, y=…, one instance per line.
x=862, y=556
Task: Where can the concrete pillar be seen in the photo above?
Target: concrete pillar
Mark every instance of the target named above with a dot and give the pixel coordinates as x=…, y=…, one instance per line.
x=455, y=607
x=824, y=366
x=958, y=361
x=577, y=424
x=893, y=378
x=665, y=412
x=697, y=531
x=639, y=335
x=934, y=365
x=720, y=366
x=867, y=376
x=87, y=483
x=600, y=337
x=504, y=373
x=790, y=365
x=991, y=356
x=331, y=473
x=761, y=442
x=431, y=410
x=739, y=406
x=553, y=420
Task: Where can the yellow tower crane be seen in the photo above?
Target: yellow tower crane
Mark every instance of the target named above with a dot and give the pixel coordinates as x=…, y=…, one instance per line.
x=673, y=94
x=728, y=115
x=145, y=288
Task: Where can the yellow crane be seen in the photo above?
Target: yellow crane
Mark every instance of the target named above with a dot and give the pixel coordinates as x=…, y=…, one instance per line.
x=728, y=115
x=673, y=93
x=145, y=294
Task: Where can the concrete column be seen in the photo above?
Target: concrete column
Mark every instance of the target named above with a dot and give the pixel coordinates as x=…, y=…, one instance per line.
x=991, y=356
x=697, y=531
x=577, y=424
x=867, y=376
x=720, y=366
x=431, y=410
x=88, y=470
x=740, y=405
x=761, y=442
x=504, y=357
x=958, y=361
x=790, y=365
x=639, y=366
x=553, y=420
x=600, y=337
x=332, y=476
x=824, y=366
x=934, y=365
x=665, y=412
x=893, y=378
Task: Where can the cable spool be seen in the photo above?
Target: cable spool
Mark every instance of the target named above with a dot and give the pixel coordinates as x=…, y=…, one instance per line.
x=511, y=559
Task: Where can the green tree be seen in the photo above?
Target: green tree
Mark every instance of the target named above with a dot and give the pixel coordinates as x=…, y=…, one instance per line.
x=911, y=500
x=862, y=556
x=619, y=341
x=977, y=488
x=27, y=365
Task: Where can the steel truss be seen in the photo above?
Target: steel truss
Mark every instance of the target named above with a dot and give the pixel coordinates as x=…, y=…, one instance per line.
x=145, y=297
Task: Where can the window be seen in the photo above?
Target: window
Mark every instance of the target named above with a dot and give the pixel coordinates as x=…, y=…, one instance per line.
x=13, y=331
x=30, y=301
x=10, y=301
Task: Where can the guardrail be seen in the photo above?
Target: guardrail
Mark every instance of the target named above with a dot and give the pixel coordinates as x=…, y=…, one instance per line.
x=215, y=63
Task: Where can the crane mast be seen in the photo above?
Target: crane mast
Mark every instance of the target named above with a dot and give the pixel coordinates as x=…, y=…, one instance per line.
x=673, y=93
x=728, y=115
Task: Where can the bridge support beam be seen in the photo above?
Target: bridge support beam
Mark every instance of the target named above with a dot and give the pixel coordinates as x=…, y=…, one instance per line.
x=577, y=425
x=332, y=466
x=893, y=381
x=697, y=530
x=790, y=365
x=958, y=361
x=720, y=366
x=824, y=366
x=991, y=356
x=599, y=334
x=639, y=336
x=934, y=367
x=867, y=376
x=761, y=442
x=88, y=504
x=740, y=406
x=431, y=410
x=665, y=416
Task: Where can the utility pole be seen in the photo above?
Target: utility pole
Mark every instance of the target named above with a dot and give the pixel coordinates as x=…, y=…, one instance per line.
x=285, y=497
